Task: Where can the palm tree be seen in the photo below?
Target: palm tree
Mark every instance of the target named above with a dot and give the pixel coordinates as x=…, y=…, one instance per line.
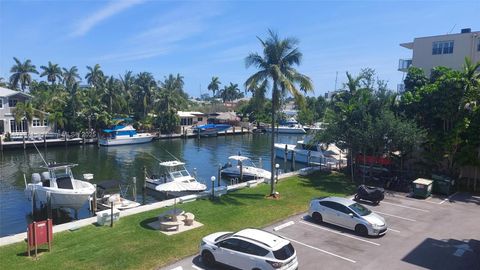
x=24, y=110
x=127, y=88
x=230, y=92
x=276, y=65
x=146, y=86
x=214, y=85
x=52, y=71
x=171, y=95
x=94, y=76
x=21, y=73
x=58, y=119
x=70, y=76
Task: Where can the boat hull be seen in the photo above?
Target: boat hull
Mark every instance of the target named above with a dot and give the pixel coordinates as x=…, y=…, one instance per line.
x=119, y=140
x=301, y=156
x=249, y=173
x=287, y=130
x=60, y=198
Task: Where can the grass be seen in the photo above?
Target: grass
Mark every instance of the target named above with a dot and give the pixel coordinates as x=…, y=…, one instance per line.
x=130, y=244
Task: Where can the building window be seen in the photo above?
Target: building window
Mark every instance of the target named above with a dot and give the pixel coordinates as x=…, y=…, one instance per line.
x=45, y=123
x=200, y=119
x=39, y=123
x=21, y=127
x=2, y=128
x=442, y=47
x=12, y=103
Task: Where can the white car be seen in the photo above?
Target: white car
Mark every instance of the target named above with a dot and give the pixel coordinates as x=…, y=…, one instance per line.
x=248, y=249
x=348, y=214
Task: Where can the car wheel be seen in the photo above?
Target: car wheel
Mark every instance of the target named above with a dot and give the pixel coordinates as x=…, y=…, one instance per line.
x=208, y=258
x=317, y=217
x=361, y=230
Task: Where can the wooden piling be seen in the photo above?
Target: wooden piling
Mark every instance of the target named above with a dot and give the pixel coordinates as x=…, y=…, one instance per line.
x=49, y=205
x=293, y=160
x=94, y=201
x=233, y=130
x=111, y=214
x=1, y=143
x=45, y=141
x=66, y=143
x=241, y=170
x=24, y=145
x=309, y=156
x=285, y=156
x=219, y=174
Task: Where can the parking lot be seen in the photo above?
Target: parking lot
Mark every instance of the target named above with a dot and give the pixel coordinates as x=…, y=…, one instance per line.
x=437, y=233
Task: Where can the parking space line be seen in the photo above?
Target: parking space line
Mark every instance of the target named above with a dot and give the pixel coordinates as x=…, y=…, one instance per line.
x=449, y=198
x=404, y=206
x=196, y=267
x=343, y=234
x=393, y=230
x=321, y=250
x=410, y=199
x=409, y=219
x=178, y=268
x=284, y=225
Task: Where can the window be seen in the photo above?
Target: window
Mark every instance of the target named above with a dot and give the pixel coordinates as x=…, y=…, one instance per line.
x=2, y=128
x=232, y=244
x=45, y=122
x=442, y=47
x=285, y=252
x=256, y=250
x=22, y=127
x=1, y=103
x=39, y=123
x=200, y=119
x=12, y=103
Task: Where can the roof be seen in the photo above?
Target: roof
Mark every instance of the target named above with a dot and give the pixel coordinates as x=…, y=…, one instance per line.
x=226, y=116
x=408, y=45
x=5, y=92
x=189, y=114
x=339, y=200
x=172, y=163
x=240, y=158
x=263, y=237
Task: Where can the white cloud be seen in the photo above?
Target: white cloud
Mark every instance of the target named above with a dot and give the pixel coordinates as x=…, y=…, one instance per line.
x=84, y=26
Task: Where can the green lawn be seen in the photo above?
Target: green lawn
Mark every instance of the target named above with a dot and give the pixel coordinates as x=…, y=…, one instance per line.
x=130, y=244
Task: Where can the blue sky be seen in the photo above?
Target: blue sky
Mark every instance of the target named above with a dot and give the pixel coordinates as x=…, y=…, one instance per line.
x=201, y=39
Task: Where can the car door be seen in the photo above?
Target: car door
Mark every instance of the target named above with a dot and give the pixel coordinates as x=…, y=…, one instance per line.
x=232, y=252
x=327, y=211
x=345, y=219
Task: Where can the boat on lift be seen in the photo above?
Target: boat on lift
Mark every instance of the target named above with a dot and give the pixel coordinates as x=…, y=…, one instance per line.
x=289, y=127
x=121, y=135
x=243, y=167
x=58, y=181
x=307, y=152
x=175, y=171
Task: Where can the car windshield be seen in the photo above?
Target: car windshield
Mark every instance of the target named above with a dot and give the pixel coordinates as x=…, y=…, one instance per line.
x=223, y=236
x=285, y=252
x=360, y=209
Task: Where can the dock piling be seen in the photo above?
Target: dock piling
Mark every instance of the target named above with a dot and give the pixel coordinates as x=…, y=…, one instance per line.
x=134, y=188
x=49, y=205
x=144, y=184
x=24, y=145
x=219, y=173
x=111, y=214
x=45, y=141
x=94, y=201
x=293, y=160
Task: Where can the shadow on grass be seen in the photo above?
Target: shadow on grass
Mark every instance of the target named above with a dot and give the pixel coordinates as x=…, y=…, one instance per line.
x=144, y=223
x=32, y=253
x=237, y=198
x=328, y=182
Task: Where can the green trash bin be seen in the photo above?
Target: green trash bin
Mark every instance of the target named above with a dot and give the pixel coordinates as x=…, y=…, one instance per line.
x=442, y=184
x=422, y=188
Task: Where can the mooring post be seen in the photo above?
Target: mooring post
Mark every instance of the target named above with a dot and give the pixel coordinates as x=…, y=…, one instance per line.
x=76, y=214
x=134, y=188
x=233, y=130
x=49, y=205
x=34, y=203
x=309, y=156
x=94, y=201
x=219, y=173
x=285, y=157
x=1, y=143
x=23, y=138
x=242, y=130
x=293, y=160
x=111, y=214
x=144, y=184
x=66, y=139
x=45, y=140
x=241, y=170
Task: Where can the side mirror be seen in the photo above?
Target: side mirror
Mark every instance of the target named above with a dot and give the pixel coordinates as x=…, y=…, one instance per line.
x=350, y=214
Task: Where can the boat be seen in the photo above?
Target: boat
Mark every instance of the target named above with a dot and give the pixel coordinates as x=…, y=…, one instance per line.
x=65, y=191
x=316, y=153
x=175, y=172
x=114, y=191
x=121, y=135
x=246, y=165
x=210, y=129
x=289, y=127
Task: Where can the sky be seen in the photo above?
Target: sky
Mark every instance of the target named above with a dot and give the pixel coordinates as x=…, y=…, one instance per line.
x=201, y=39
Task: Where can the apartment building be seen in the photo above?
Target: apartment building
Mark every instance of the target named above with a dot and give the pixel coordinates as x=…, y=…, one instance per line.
x=447, y=50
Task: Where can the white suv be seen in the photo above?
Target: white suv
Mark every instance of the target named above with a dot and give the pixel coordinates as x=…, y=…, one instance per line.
x=248, y=249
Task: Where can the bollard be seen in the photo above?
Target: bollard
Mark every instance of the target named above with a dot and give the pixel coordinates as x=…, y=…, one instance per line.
x=242, y=130
x=285, y=157
x=144, y=184
x=111, y=214
x=293, y=161
x=134, y=189
x=219, y=173
x=309, y=156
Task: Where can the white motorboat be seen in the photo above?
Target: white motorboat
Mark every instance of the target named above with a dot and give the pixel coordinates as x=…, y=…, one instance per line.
x=121, y=135
x=175, y=172
x=327, y=155
x=65, y=191
x=289, y=127
x=243, y=167
x=113, y=191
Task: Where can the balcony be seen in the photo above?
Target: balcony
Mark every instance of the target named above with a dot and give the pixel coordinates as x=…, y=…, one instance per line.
x=404, y=64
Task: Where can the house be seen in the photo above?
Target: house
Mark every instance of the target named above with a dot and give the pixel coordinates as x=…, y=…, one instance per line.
x=188, y=119
x=230, y=118
x=447, y=50
x=8, y=125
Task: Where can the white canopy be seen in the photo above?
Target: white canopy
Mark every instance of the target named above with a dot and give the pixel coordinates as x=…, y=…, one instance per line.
x=172, y=163
x=239, y=158
x=178, y=186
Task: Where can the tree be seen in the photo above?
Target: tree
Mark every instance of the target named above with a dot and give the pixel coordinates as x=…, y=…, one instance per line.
x=144, y=91
x=24, y=110
x=21, y=73
x=277, y=65
x=52, y=71
x=127, y=83
x=230, y=92
x=70, y=76
x=214, y=85
x=94, y=76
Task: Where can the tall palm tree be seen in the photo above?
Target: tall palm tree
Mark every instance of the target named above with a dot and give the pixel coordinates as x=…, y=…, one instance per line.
x=21, y=73
x=24, y=110
x=277, y=65
x=94, y=76
x=70, y=76
x=52, y=71
x=145, y=88
x=127, y=83
x=230, y=92
x=214, y=85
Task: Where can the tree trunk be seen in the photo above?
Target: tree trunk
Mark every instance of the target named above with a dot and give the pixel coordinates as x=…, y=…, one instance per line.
x=272, y=145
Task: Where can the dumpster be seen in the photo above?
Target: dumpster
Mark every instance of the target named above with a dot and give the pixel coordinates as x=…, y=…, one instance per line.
x=422, y=188
x=442, y=184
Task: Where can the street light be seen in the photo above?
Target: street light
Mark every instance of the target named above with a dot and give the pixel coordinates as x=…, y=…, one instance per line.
x=213, y=186
x=277, y=166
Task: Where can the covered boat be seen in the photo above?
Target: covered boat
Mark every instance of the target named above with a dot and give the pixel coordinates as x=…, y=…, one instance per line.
x=210, y=129
x=114, y=191
x=121, y=135
x=243, y=167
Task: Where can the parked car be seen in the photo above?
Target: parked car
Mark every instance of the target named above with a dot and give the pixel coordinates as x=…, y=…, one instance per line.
x=348, y=214
x=248, y=249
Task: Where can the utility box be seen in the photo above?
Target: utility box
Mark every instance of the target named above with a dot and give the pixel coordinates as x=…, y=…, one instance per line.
x=422, y=188
x=104, y=217
x=442, y=184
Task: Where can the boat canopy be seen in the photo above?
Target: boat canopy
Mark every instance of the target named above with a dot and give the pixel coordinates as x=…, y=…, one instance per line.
x=60, y=165
x=172, y=163
x=119, y=128
x=239, y=158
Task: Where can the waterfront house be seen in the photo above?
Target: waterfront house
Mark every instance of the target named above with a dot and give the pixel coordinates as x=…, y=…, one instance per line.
x=188, y=119
x=230, y=118
x=8, y=101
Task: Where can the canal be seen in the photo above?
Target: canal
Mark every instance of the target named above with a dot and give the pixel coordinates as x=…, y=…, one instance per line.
x=123, y=163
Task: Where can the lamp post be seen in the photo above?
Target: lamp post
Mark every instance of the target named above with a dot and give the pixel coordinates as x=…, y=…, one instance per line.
x=277, y=166
x=213, y=186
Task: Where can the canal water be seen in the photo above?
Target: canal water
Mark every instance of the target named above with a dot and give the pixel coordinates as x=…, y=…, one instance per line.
x=123, y=163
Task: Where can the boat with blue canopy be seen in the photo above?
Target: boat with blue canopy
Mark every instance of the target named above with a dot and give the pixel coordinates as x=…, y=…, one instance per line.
x=210, y=129
x=121, y=135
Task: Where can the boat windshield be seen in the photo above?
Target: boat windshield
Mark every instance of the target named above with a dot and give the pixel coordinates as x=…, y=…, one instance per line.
x=61, y=172
x=360, y=209
x=179, y=174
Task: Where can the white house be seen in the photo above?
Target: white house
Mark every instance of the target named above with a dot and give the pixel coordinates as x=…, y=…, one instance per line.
x=192, y=118
x=8, y=101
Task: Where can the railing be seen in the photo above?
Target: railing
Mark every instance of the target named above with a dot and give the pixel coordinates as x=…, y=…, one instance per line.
x=404, y=64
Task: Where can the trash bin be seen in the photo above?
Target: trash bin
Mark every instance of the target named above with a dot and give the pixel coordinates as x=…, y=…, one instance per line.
x=422, y=188
x=442, y=184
